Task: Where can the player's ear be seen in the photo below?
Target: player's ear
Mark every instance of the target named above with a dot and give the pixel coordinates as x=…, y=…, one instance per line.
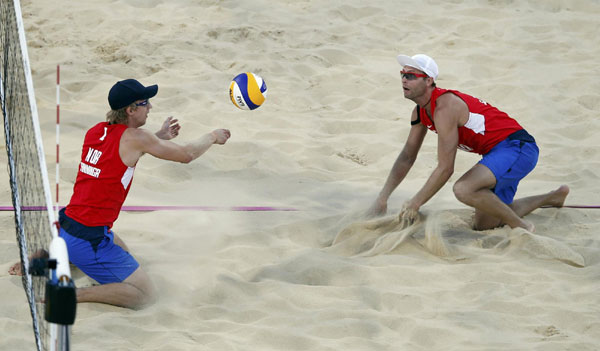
x=129, y=110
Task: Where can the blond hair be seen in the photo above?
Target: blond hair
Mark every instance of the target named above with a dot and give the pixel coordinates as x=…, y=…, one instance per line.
x=119, y=116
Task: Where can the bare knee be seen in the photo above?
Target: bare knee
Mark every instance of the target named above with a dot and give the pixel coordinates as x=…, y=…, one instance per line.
x=462, y=192
x=148, y=296
x=145, y=298
x=143, y=288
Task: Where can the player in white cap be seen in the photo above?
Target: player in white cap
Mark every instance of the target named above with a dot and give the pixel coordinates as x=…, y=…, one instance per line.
x=464, y=122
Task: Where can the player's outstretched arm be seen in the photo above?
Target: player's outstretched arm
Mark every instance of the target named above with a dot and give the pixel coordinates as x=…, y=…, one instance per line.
x=136, y=141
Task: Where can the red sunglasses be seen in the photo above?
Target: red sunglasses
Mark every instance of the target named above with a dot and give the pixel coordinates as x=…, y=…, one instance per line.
x=412, y=75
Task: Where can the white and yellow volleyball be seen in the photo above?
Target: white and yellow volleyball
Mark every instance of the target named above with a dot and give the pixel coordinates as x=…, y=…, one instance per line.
x=248, y=91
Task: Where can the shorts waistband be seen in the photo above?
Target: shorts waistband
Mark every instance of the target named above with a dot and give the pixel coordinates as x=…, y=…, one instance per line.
x=94, y=235
x=522, y=136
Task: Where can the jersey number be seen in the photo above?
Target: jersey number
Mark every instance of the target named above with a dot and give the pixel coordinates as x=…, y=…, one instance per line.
x=104, y=136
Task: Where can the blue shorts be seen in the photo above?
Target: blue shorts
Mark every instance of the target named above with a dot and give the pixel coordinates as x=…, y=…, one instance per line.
x=94, y=252
x=510, y=161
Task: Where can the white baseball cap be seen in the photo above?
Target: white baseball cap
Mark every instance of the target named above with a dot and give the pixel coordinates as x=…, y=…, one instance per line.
x=421, y=62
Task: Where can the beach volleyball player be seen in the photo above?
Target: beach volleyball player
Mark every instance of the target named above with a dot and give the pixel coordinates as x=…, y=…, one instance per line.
x=110, y=153
x=464, y=122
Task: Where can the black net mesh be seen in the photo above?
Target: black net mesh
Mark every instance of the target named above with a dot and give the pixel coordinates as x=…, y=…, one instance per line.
x=25, y=158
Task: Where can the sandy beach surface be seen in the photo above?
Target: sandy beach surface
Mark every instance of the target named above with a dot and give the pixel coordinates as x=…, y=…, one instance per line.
x=334, y=121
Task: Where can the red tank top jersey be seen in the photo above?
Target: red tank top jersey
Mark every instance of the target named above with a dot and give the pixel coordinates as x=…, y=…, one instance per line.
x=486, y=127
x=103, y=180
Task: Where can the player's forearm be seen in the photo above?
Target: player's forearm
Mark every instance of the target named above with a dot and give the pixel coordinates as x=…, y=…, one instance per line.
x=396, y=176
x=197, y=148
x=434, y=183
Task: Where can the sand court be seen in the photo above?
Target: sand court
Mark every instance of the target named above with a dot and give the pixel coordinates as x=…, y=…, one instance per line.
x=323, y=142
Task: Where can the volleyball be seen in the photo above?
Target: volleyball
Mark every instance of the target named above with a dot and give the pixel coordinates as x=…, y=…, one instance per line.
x=248, y=91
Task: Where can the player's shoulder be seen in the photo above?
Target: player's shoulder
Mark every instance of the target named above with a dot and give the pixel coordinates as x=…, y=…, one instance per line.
x=136, y=132
x=450, y=102
x=448, y=98
x=137, y=135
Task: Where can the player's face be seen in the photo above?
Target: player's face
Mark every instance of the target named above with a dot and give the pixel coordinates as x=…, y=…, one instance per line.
x=139, y=116
x=414, y=82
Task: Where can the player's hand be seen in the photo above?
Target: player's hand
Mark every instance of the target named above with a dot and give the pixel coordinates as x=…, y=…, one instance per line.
x=169, y=130
x=409, y=214
x=221, y=135
x=378, y=208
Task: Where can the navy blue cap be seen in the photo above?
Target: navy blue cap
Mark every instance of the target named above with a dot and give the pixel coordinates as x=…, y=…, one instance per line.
x=128, y=91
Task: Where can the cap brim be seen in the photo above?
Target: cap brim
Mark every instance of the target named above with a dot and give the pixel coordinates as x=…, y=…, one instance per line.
x=404, y=60
x=150, y=91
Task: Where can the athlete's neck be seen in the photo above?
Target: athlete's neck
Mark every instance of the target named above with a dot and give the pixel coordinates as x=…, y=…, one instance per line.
x=425, y=99
x=426, y=104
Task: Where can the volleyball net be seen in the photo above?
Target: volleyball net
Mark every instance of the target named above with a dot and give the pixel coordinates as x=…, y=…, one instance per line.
x=45, y=266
